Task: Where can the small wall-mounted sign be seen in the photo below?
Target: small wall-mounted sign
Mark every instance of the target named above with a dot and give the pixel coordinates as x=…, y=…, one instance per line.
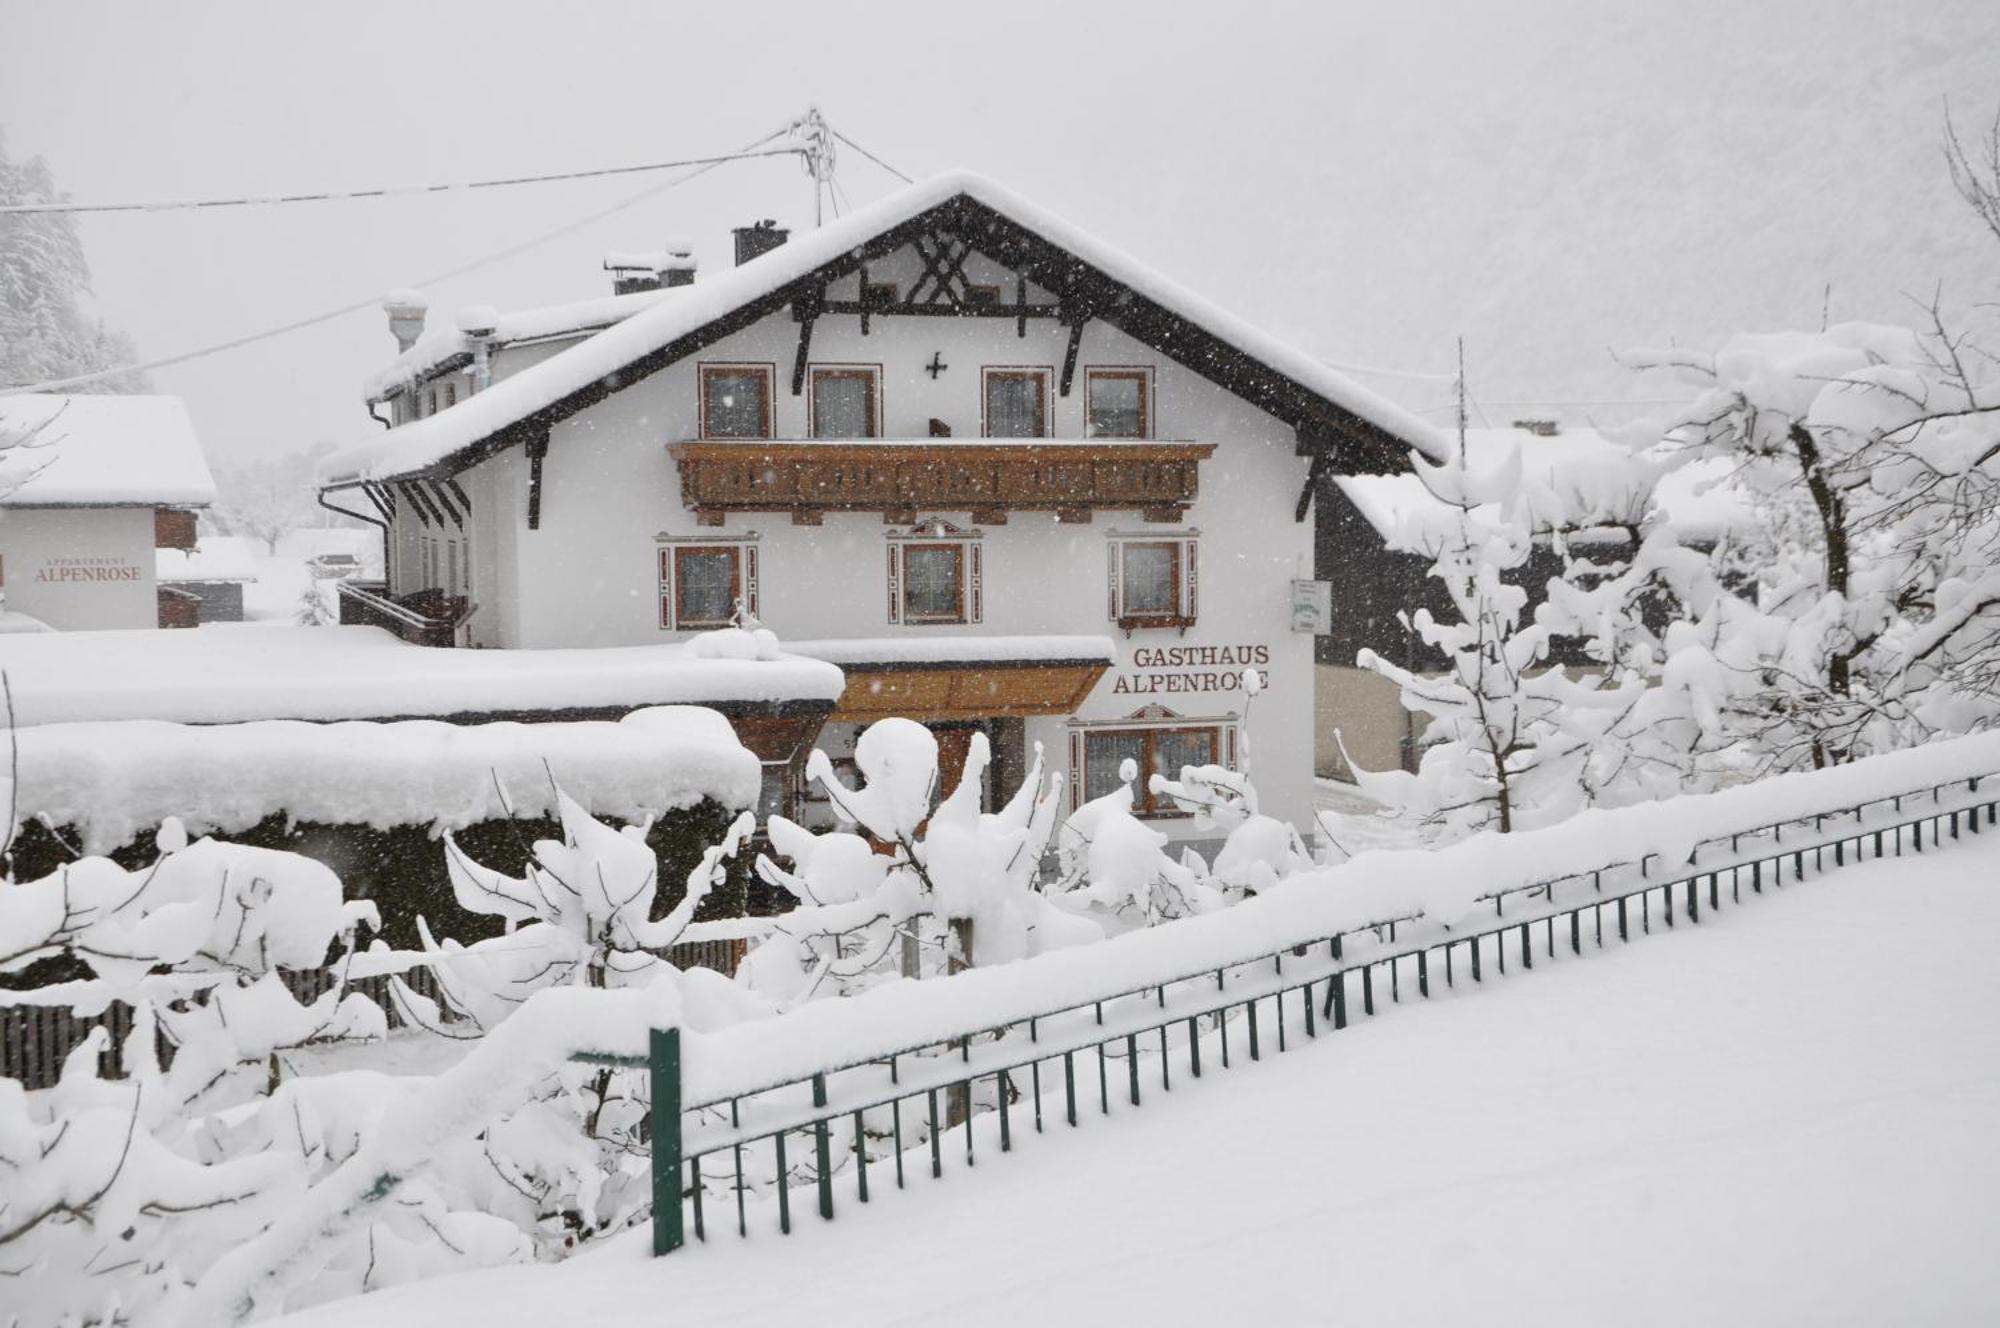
x=1312, y=607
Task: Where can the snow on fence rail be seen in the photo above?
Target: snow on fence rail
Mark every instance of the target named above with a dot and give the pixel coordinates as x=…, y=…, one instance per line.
x=1294, y=963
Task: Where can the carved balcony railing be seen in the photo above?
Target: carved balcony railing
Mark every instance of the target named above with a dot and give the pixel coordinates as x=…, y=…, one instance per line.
x=900, y=478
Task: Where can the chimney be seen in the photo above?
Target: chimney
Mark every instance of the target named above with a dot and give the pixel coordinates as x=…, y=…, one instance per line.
x=632, y=273
x=406, y=310
x=762, y=238
x=477, y=323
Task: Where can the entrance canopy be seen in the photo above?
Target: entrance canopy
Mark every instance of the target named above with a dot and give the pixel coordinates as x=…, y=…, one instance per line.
x=961, y=677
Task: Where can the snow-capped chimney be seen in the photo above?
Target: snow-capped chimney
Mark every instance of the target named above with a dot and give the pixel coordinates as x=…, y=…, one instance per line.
x=762, y=238
x=406, y=310
x=477, y=323
x=671, y=266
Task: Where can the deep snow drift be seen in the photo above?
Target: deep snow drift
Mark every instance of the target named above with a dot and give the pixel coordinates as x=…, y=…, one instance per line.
x=1782, y=1115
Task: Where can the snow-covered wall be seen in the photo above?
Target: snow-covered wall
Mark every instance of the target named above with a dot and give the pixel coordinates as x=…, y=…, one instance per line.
x=79, y=568
x=610, y=496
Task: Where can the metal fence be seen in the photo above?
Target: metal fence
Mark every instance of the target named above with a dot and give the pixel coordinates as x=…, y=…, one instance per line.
x=862, y=1116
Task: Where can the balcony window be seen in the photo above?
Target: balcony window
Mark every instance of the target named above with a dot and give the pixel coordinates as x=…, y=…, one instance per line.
x=736, y=400
x=1115, y=403
x=845, y=403
x=1153, y=582
x=1016, y=403
x=935, y=575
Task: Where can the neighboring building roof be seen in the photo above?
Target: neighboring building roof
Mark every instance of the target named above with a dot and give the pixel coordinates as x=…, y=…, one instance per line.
x=228, y=673
x=446, y=347
x=103, y=451
x=1260, y=367
x=215, y=558
x=1698, y=497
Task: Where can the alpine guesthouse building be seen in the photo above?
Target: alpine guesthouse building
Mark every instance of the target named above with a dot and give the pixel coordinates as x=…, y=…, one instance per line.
x=1005, y=477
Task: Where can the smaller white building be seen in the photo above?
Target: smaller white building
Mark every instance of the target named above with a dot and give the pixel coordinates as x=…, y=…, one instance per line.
x=95, y=485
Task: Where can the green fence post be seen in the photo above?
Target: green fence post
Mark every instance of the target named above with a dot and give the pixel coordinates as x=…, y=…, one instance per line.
x=663, y=1063
x=823, y=1150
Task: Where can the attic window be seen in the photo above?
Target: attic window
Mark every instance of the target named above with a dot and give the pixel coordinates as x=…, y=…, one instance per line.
x=1115, y=403
x=736, y=401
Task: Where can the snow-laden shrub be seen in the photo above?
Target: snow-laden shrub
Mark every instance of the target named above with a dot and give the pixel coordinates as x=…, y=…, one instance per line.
x=954, y=887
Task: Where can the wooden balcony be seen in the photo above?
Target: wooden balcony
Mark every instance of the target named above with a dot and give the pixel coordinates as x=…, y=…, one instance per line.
x=899, y=478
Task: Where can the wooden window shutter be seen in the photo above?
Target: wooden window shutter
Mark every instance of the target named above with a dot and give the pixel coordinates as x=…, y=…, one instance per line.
x=666, y=556
x=1075, y=768
x=1117, y=556
x=975, y=598
x=1190, y=556
x=749, y=557
x=895, y=583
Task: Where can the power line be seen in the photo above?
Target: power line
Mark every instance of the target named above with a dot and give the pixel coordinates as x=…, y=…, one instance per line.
x=709, y=164
x=871, y=156
x=394, y=191
x=1387, y=373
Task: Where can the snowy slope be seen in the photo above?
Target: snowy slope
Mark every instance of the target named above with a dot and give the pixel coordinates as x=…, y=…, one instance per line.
x=1782, y=1116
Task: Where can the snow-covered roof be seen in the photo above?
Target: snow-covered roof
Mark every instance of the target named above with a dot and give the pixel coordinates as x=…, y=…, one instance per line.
x=228, y=673
x=934, y=650
x=103, y=451
x=440, y=345
x=1697, y=497
x=429, y=442
x=216, y=558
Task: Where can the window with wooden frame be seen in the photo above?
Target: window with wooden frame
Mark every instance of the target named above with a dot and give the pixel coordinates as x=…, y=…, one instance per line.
x=1117, y=403
x=936, y=575
x=847, y=401
x=1152, y=582
x=701, y=584
x=1155, y=751
x=736, y=401
x=1015, y=403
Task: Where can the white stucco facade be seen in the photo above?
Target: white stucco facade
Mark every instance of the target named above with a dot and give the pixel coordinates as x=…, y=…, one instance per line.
x=611, y=500
x=79, y=568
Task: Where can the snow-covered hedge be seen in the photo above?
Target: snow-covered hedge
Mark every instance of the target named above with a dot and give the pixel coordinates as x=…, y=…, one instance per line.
x=374, y=799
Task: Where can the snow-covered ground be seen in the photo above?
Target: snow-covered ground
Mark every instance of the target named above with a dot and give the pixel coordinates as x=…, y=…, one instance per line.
x=1357, y=823
x=1783, y=1115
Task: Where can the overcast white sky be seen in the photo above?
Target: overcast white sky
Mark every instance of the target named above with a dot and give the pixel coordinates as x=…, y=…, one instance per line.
x=1547, y=178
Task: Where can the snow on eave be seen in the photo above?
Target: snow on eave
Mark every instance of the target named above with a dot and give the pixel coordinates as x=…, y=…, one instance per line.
x=434, y=441
x=958, y=650
x=104, y=451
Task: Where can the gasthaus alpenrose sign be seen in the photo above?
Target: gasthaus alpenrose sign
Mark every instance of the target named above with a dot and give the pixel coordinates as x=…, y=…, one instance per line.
x=1005, y=477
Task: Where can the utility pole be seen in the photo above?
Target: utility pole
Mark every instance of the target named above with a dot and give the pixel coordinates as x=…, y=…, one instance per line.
x=1461, y=401
x=815, y=144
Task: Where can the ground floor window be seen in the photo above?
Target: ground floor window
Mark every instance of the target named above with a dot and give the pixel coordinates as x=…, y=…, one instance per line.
x=1156, y=751
x=702, y=584
x=936, y=575
x=1152, y=581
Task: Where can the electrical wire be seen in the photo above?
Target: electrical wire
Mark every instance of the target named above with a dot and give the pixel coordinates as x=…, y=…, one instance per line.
x=394, y=191
x=871, y=156
x=462, y=269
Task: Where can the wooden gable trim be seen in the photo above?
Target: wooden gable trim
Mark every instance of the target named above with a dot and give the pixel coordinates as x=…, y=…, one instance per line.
x=1355, y=445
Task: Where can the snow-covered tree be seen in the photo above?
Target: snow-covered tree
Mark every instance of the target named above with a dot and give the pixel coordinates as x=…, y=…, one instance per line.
x=44, y=334
x=1874, y=454
x=116, y=1193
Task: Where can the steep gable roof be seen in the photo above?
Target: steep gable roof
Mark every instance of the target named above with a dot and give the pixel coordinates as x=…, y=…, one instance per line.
x=1352, y=428
x=103, y=451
